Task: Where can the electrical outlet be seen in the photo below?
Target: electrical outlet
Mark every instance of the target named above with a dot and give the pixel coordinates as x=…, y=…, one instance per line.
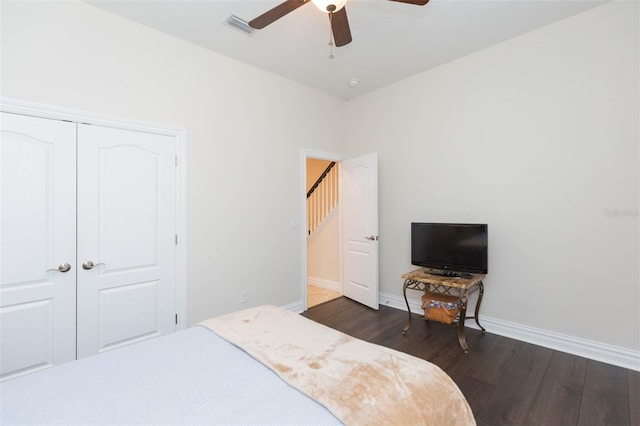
x=244, y=296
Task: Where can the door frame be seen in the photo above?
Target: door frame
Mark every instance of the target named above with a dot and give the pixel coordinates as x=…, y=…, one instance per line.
x=319, y=155
x=180, y=134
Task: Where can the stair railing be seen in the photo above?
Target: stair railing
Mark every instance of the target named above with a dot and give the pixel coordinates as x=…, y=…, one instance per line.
x=322, y=198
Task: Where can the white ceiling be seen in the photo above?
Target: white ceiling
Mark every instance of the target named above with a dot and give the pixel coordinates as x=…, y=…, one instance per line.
x=391, y=41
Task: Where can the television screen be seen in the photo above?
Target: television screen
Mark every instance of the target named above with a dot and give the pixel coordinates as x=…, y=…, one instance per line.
x=450, y=247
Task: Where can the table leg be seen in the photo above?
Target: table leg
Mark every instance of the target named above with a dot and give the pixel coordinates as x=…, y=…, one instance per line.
x=480, y=293
x=404, y=292
x=461, y=337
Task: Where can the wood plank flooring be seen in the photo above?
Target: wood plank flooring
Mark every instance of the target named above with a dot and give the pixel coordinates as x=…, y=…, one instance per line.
x=507, y=382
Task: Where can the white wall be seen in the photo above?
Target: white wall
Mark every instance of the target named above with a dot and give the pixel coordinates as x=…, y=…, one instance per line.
x=538, y=137
x=323, y=252
x=245, y=132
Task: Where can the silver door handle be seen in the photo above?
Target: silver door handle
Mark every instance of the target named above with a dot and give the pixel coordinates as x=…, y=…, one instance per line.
x=372, y=238
x=62, y=268
x=89, y=264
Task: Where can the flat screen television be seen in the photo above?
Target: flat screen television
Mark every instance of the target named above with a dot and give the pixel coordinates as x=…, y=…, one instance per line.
x=451, y=248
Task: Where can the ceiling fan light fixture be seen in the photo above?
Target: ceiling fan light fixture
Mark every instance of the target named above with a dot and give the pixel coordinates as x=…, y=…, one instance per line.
x=323, y=5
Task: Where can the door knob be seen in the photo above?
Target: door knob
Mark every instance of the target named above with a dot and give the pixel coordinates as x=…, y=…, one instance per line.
x=372, y=238
x=89, y=264
x=62, y=268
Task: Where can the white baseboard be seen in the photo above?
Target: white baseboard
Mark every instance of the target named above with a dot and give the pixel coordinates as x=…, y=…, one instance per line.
x=318, y=282
x=603, y=352
x=295, y=307
x=397, y=302
x=322, y=283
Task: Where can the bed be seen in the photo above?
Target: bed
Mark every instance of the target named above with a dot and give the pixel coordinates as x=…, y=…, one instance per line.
x=259, y=366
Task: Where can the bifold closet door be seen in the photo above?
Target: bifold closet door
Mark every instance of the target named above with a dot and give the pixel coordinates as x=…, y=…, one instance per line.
x=38, y=244
x=126, y=237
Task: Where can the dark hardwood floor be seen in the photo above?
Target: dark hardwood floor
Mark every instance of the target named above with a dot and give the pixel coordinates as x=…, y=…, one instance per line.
x=507, y=382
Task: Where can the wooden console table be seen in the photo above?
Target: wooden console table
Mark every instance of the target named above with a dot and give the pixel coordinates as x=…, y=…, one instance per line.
x=461, y=288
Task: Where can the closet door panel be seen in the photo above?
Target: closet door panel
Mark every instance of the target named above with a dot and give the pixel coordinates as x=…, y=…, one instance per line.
x=126, y=228
x=37, y=233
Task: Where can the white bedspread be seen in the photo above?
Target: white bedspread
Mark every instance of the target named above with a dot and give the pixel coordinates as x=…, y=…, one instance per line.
x=190, y=377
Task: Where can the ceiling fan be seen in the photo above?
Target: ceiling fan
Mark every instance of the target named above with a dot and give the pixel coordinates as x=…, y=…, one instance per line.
x=334, y=8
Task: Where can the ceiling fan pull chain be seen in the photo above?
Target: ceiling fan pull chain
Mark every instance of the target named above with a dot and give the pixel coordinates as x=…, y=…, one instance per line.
x=331, y=36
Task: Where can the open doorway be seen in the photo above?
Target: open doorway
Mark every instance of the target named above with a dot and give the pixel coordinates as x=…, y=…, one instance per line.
x=323, y=231
x=357, y=235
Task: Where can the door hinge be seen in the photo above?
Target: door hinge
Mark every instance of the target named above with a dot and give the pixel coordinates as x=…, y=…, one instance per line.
x=176, y=318
x=176, y=161
x=176, y=239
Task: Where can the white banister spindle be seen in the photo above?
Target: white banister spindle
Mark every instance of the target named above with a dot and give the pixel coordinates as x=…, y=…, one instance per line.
x=325, y=201
x=310, y=213
x=330, y=191
x=334, y=180
x=315, y=210
x=337, y=185
x=318, y=211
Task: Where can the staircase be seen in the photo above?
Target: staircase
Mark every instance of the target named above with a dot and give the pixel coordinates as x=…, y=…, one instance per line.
x=322, y=198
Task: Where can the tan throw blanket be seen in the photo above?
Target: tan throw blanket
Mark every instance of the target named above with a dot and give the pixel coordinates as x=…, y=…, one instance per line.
x=360, y=383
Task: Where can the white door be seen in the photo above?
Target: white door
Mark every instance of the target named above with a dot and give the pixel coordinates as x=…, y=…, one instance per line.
x=360, y=228
x=38, y=244
x=126, y=228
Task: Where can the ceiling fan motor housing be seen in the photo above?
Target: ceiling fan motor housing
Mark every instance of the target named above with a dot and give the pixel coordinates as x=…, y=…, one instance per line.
x=329, y=6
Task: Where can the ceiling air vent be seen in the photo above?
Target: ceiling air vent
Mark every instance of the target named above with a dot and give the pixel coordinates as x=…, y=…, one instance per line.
x=239, y=23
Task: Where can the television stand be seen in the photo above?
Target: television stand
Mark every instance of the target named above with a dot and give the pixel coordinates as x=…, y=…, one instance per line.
x=459, y=287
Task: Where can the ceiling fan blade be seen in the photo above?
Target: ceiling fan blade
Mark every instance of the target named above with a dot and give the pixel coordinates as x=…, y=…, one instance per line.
x=416, y=2
x=340, y=27
x=276, y=13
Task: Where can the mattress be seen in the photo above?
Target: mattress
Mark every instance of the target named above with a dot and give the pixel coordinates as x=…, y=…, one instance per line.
x=189, y=377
